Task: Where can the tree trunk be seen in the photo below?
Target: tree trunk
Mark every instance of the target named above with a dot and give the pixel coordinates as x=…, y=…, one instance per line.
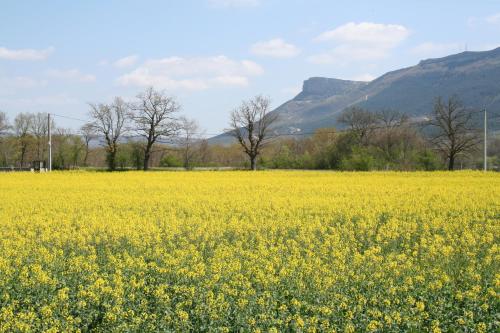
x=253, y=162
x=138, y=162
x=451, y=163
x=186, y=159
x=23, y=152
x=85, y=158
x=112, y=160
x=147, y=157
x=86, y=154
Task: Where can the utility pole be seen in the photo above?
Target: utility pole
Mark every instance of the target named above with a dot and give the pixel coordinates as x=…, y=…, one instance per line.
x=485, y=141
x=50, y=142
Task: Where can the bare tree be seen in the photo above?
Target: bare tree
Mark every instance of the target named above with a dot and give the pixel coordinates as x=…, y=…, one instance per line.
x=4, y=123
x=88, y=133
x=61, y=148
x=360, y=121
x=454, y=130
x=250, y=125
x=22, y=125
x=39, y=130
x=392, y=126
x=76, y=145
x=188, y=130
x=204, y=152
x=153, y=116
x=5, y=148
x=110, y=121
x=390, y=119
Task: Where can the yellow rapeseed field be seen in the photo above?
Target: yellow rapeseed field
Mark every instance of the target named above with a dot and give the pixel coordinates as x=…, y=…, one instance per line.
x=241, y=251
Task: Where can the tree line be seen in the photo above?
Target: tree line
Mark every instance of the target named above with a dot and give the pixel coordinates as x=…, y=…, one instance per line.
x=150, y=132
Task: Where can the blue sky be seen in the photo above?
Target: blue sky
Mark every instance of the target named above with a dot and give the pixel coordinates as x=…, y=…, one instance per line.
x=56, y=56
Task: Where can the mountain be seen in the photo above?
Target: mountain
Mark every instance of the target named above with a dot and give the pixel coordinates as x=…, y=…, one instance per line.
x=473, y=76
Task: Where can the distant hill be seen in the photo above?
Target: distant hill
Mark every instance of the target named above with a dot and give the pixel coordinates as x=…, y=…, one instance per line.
x=473, y=76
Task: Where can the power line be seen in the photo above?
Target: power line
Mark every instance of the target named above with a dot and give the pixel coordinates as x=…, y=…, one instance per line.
x=67, y=117
x=205, y=135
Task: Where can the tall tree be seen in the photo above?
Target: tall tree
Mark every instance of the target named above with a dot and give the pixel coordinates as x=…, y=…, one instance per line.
x=204, y=152
x=392, y=127
x=110, y=121
x=61, y=148
x=5, y=148
x=4, y=123
x=22, y=125
x=359, y=121
x=39, y=130
x=188, y=130
x=154, y=118
x=454, y=129
x=250, y=125
x=88, y=133
x=77, y=145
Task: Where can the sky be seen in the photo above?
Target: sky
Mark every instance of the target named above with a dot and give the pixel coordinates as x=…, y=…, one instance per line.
x=57, y=56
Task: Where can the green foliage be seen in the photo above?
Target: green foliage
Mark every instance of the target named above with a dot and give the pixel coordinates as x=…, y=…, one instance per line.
x=336, y=153
x=286, y=159
x=122, y=158
x=494, y=163
x=360, y=159
x=137, y=155
x=171, y=161
x=428, y=160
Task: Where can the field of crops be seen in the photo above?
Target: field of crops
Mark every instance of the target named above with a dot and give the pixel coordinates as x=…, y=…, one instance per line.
x=243, y=251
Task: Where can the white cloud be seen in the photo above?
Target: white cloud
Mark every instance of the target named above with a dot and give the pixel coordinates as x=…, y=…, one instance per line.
x=25, y=54
x=234, y=3
x=430, y=49
x=126, y=61
x=61, y=99
x=364, y=77
x=71, y=74
x=276, y=48
x=231, y=80
x=366, y=33
x=360, y=42
x=23, y=82
x=192, y=73
x=38, y=102
x=346, y=53
x=493, y=19
x=12, y=85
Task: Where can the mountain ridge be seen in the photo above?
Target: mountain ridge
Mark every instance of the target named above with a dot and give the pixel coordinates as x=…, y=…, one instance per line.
x=472, y=75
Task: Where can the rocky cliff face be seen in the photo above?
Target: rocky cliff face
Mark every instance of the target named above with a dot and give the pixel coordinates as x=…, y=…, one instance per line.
x=473, y=76
x=322, y=87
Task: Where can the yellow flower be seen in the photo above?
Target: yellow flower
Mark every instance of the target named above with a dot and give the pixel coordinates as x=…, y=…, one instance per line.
x=420, y=306
x=373, y=326
x=300, y=322
x=183, y=315
x=349, y=328
x=481, y=327
x=315, y=250
x=62, y=294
